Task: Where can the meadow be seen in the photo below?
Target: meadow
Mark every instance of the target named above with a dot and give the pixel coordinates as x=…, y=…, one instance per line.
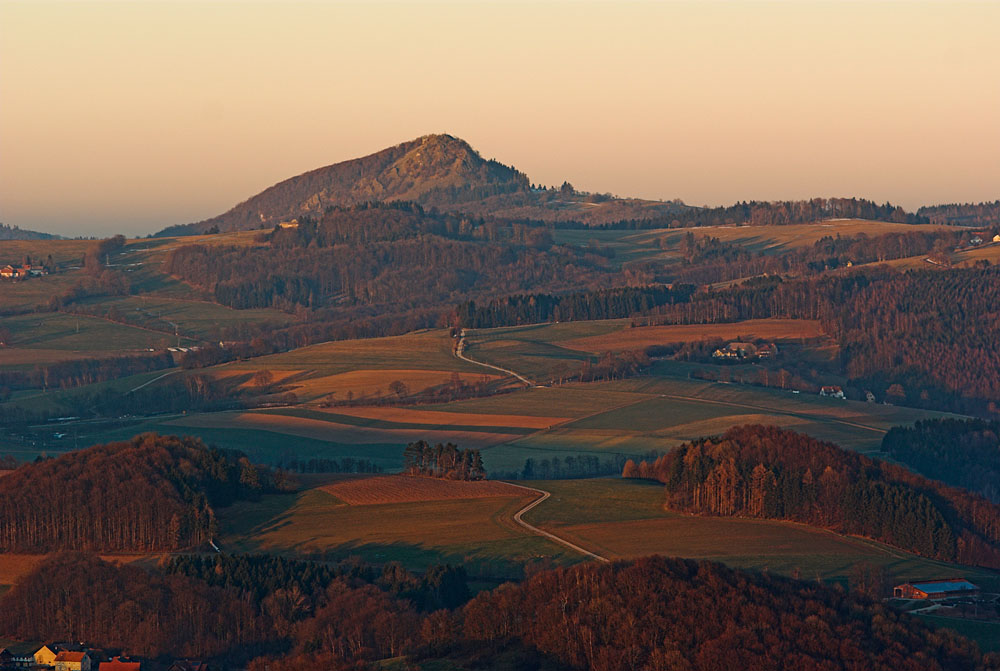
x=478, y=532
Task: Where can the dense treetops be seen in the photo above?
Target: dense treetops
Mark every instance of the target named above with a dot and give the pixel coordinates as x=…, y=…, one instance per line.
x=654, y=614
x=443, y=461
x=962, y=453
x=151, y=493
x=767, y=472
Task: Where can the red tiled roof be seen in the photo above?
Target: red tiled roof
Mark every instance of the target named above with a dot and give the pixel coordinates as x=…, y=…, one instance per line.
x=118, y=666
x=70, y=656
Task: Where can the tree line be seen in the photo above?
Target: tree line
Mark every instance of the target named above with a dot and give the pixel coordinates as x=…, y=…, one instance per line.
x=614, y=303
x=767, y=472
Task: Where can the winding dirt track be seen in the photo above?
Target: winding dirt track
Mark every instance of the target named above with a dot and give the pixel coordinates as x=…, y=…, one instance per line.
x=460, y=353
x=518, y=517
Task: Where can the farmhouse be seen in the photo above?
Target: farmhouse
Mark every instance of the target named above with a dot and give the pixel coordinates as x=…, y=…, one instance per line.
x=72, y=661
x=767, y=351
x=20, y=272
x=46, y=655
x=832, y=390
x=935, y=589
x=996, y=238
x=736, y=350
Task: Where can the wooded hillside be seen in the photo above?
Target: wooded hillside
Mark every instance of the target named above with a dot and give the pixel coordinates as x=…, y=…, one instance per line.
x=767, y=472
x=151, y=493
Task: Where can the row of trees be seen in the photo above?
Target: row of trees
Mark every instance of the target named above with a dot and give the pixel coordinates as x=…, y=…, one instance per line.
x=767, y=472
x=443, y=461
x=152, y=493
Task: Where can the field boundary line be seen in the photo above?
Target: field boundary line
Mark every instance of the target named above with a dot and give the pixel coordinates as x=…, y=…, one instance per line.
x=518, y=517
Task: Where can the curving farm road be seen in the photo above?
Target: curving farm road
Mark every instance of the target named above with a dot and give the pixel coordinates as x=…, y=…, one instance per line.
x=460, y=353
x=518, y=517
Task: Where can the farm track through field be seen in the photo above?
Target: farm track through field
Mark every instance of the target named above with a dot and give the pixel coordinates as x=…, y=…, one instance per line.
x=519, y=518
x=460, y=353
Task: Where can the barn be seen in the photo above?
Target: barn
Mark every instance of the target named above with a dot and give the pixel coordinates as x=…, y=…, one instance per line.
x=935, y=589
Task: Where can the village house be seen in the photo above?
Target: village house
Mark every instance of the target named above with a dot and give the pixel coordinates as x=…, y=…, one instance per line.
x=976, y=241
x=20, y=272
x=72, y=661
x=767, y=351
x=832, y=391
x=996, y=238
x=116, y=664
x=18, y=656
x=935, y=589
x=46, y=655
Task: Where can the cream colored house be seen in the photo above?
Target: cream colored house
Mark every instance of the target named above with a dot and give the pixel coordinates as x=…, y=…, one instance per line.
x=72, y=661
x=45, y=656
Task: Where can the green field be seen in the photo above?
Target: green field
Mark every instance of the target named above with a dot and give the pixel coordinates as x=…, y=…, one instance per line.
x=472, y=531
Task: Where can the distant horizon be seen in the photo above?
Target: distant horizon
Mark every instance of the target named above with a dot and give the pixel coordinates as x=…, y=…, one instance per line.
x=131, y=117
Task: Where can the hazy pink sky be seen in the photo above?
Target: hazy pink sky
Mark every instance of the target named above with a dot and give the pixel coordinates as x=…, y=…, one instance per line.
x=130, y=116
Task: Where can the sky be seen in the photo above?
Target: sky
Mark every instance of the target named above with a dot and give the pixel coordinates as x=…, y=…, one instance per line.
x=131, y=116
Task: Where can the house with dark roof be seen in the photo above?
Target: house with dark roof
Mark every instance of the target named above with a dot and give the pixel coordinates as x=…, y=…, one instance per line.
x=935, y=589
x=18, y=655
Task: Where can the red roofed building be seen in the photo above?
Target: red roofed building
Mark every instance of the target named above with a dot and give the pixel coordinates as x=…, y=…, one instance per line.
x=116, y=664
x=72, y=661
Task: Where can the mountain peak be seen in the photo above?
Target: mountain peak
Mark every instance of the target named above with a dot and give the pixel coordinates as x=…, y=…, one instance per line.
x=437, y=169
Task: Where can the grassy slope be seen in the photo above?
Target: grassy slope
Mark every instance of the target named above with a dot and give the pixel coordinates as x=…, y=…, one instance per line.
x=418, y=534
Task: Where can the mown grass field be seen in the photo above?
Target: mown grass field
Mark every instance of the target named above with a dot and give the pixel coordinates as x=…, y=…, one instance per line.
x=476, y=531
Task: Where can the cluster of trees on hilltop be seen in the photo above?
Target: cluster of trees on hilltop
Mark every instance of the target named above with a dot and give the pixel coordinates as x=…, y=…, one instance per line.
x=443, y=461
x=930, y=332
x=585, y=305
x=767, y=472
x=962, y=453
x=653, y=613
x=966, y=214
x=152, y=493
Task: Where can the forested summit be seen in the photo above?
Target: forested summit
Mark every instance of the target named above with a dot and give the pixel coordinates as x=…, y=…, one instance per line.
x=151, y=493
x=767, y=472
x=432, y=170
